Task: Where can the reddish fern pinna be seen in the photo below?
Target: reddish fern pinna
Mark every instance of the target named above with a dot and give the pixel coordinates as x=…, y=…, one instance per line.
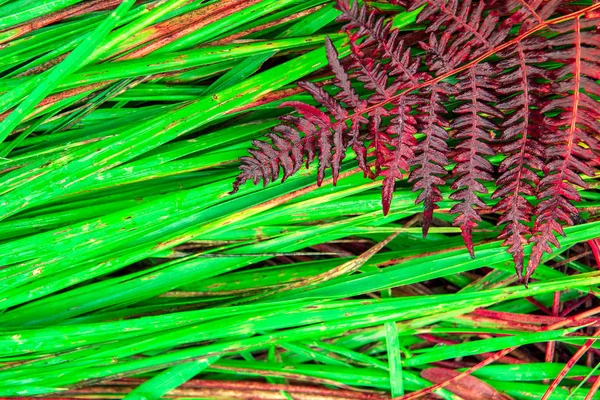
x=485, y=56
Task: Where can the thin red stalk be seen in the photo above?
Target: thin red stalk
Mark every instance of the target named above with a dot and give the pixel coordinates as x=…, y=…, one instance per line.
x=572, y=258
x=496, y=356
x=250, y=385
x=580, y=352
x=419, y=394
x=538, y=305
x=534, y=319
x=575, y=305
x=502, y=323
x=582, y=318
x=551, y=346
x=593, y=389
x=556, y=304
x=436, y=340
x=576, y=99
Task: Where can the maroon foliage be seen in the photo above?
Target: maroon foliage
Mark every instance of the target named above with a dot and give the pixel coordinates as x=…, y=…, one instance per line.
x=543, y=122
x=521, y=130
x=472, y=126
x=571, y=141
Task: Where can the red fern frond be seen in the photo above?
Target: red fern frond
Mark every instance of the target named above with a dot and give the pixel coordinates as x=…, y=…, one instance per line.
x=473, y=126
x=543, y=122
x=398, y=156
x=320, y=137
x=573, y=135
x=287, y=151
x=394, y=147
x=348, y=96
x=521, y=131
x=431, y=153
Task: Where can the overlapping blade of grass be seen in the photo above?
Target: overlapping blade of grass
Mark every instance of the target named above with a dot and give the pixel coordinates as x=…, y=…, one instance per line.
x=331, y=320
x=124, y=255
